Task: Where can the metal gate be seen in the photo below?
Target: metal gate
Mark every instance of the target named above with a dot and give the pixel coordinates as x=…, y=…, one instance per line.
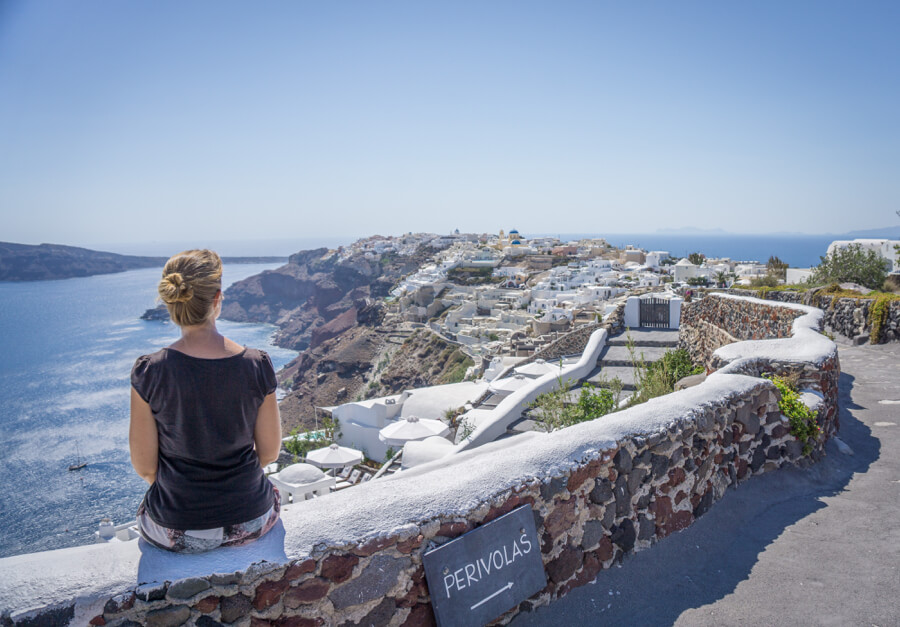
x=655, y=313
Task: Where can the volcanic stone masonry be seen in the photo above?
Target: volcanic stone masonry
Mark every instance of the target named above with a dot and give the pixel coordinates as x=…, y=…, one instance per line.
x=849, y=317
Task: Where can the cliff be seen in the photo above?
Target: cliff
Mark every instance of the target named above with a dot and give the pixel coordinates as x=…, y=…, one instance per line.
x=328, y=306
x=46, y=262
x=368, y=360
x=24, y=262
x=317, y=295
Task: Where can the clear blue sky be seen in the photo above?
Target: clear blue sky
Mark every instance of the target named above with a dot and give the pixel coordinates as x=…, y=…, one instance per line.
x=137, y=121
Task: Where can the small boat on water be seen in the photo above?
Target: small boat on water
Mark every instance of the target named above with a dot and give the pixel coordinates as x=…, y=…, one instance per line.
x=79, y=462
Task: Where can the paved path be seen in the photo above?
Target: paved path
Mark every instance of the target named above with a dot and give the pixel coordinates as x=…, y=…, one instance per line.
x=793, y=547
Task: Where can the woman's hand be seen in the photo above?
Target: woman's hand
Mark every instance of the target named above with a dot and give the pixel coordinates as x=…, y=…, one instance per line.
x=143, y=439
x=267, y=434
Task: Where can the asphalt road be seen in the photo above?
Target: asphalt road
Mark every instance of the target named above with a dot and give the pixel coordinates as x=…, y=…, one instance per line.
x=819, y=546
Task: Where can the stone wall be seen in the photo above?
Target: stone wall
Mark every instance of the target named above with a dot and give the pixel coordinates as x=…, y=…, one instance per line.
x=599, y=491
x=713, y=322
x=709, y=323
x=849, y=317
x=621, y=501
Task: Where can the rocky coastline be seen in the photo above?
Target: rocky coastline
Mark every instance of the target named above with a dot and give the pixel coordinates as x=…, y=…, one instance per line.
x=48, y=262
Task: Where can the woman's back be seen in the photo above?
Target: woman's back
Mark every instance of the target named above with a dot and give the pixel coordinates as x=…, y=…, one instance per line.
x=205, y=410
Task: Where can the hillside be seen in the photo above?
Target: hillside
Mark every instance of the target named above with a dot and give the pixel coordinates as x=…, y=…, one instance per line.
x=44, y=262
x=366, y=361
x=329, y=305
x=317, y=295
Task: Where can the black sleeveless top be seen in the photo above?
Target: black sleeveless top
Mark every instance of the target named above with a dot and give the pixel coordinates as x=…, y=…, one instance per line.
x=205, y=409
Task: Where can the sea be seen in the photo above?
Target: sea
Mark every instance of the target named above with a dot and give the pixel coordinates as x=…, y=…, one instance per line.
x=66, y=352
x=798, y=251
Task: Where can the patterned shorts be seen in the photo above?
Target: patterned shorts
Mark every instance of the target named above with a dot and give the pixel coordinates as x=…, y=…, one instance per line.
x=200, y=540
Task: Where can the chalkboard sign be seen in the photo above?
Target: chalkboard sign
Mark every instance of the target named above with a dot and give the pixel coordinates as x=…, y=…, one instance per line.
x=481, y=574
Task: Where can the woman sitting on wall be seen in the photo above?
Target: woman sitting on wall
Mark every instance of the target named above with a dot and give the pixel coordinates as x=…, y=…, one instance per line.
x=204, y=422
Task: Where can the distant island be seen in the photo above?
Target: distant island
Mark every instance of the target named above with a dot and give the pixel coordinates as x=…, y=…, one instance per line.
x=45, y=262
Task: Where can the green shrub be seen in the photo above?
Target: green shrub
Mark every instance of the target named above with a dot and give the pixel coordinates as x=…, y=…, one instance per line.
x=853, y=263
x=300, y=444
x=770, y=280
x=555, y=412
x=659, y=378
x=801, y=418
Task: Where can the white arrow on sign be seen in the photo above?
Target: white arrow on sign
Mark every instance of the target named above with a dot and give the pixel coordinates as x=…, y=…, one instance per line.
x=488, y=598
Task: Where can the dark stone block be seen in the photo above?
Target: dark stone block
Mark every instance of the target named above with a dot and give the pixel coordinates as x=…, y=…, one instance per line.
x=766, y=440
x=622, y=461
x=421, y=615
x=636, y=478
x=309, y=591
x=553, y=487
x=602, y=492
x=759, y=458
x=727, y=437
x=609, y=516
x=646, y=528
x=623, y=497
x=234, y=607
x=207, y=604
x=689, y=464
x=338, y=568
x=705, y=503
x=564, y=566
x=224, y=579
x=206, y=621
x=794, y=449
x=623, y=535
x=376, y=579
x=659, y=465
x=268, y=593
x=168, y=616
x=381, y=615
x=186, y=588
x=561, y=518
x=151, y=591
x=644, y=501
x=643, y=459
x=593, y=532
x=774, y=452
x=748, y=418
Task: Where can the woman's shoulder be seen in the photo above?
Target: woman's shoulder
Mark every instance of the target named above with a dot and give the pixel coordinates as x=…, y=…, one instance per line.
x=257, y=355
x=150, y=359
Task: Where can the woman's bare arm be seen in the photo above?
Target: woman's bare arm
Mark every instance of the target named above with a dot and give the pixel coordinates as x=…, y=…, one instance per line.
x=267, y=434
x=143, y=439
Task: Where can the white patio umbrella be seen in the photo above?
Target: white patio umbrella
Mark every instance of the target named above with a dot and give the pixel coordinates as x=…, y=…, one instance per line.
x=509, y=384
x=334, y=456
x=412, y=428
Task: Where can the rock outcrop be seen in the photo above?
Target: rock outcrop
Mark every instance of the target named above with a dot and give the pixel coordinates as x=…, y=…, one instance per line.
x=329, y=307
x=316, y=289
x=23, y=262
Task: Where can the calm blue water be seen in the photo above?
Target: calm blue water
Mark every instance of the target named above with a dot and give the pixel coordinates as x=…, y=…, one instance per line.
x=67, y=349
x=800, y=251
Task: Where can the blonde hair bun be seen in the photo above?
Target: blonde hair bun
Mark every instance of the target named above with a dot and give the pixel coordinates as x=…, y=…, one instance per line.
x=174, y=289
x=189, y=285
